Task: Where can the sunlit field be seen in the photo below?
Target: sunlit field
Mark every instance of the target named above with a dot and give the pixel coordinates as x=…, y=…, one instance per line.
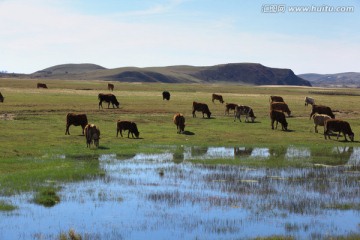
x=37, y=157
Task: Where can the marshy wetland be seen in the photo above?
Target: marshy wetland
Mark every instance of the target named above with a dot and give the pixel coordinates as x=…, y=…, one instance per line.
x=220, y=180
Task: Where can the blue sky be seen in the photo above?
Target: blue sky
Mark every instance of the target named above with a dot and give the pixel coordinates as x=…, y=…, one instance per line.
x=36, y=34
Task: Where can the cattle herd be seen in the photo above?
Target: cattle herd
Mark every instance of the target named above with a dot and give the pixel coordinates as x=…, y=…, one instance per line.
x=321, y=115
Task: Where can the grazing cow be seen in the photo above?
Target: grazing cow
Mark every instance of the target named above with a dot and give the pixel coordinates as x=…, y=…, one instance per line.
x=340, y=126
x=217, y=97
x=276, y=99
x=127, y=125
x=179, y=121
x=92, y=135
x=201, y=107
x=321, y=110
x=166, y=95
x=76, y=120
x=244, y=110
x=319, y=120
x=110, y=86
x=109, y=98
x=1, y=97
x=279, y=117
x=309, y=100
x=280, y=106
x=230, y=106
x=41, y=85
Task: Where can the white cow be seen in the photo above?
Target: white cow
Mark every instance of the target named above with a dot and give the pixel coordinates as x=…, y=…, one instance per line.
x=319, y=120
x=309, y=100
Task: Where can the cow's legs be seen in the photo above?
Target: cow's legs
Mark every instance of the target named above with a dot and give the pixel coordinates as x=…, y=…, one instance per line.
x=67, y=130
x=100, y=104
x=193, y=113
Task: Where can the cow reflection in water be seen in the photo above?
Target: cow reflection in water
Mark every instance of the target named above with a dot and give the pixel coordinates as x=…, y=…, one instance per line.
x=242, y=152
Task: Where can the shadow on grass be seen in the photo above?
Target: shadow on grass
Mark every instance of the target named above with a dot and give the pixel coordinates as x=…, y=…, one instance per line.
x=188, y=133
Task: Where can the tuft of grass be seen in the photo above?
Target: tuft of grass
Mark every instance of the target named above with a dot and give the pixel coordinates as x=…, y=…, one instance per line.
x=47, y=197
x=275, y=237
x=6, y=207
x=71, y=235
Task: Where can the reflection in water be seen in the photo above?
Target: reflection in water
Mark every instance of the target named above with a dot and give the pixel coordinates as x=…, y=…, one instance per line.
x=190, y=201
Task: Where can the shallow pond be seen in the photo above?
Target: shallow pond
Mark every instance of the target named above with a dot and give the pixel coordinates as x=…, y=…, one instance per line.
x=166, y=196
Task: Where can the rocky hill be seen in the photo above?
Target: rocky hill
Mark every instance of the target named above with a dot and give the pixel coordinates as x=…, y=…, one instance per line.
x=243, y=73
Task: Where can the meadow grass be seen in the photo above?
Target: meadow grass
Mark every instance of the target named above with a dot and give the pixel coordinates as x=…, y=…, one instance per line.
x=35, y=149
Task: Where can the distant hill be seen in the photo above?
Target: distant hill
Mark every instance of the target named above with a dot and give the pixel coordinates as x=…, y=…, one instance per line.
x=243, y=73
x=347, y=79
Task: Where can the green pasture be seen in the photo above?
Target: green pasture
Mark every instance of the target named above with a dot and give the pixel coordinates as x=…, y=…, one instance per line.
x=35, y=152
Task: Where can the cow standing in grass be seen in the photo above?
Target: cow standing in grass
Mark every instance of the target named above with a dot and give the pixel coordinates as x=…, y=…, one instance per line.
x=179, y=121
x=92, y=135
x=230, y=106
x=278, y=117
x=201, y=107
x=276, y=99
x=166, y=95
x=41, y=85
x=217, y=97
x=340, y=126
x=127, y=125
x=1, y=97
x=76, y=120
x=109, y=98
x=321, y=110
x=319, y=120
x=280, y=106
x=309, y=100
x=244, y=110
x=110, y=87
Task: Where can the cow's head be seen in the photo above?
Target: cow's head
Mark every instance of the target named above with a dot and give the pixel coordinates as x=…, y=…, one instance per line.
x=208, y=114
x=351, y=136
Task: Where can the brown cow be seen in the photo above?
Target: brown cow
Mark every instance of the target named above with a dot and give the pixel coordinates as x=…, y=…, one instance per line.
x=217, y=97
x=201, y=107
x=279, y=117
x=340, y=126
x=1, y=97
x=280, y=106
x=109, y=98
x=321, y=110
x=244, y=110
x=179, y=121
x=319, y=120
x=276, y=99
x=76, y=120
x=110, y=86
x=41, y=85
x=127, y=125
x=92, y=135
x=230, y=106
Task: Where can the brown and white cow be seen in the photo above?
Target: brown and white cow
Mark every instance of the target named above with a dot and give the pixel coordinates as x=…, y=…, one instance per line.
x=109, y=98
x=179, y=121
x=276, y=99
x=278, y=117
x=217, y=97
x=244, y=110
x=41, y=85
x=280, y=106
x=309, y=100
x=127, y=125
x=92, y=135
x=340, y=126
x=230, y=106
x=321, y=110
x=319, y=120
x=201, y=107
x=110, y=86
x=76, y=120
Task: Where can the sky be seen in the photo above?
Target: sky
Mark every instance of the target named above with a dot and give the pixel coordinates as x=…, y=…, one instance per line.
x=321, y=37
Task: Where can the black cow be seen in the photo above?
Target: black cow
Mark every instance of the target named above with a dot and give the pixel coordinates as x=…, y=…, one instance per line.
x=76, y=120
x=109, y=98
x=166, y=95
x=127, y=125
x=201, y=107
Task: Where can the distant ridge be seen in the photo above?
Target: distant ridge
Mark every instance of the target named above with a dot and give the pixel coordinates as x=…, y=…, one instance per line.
x=347, y=79
x=242, y=73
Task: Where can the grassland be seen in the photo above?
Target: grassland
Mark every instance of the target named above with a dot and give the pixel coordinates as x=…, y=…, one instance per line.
x=35, y=152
